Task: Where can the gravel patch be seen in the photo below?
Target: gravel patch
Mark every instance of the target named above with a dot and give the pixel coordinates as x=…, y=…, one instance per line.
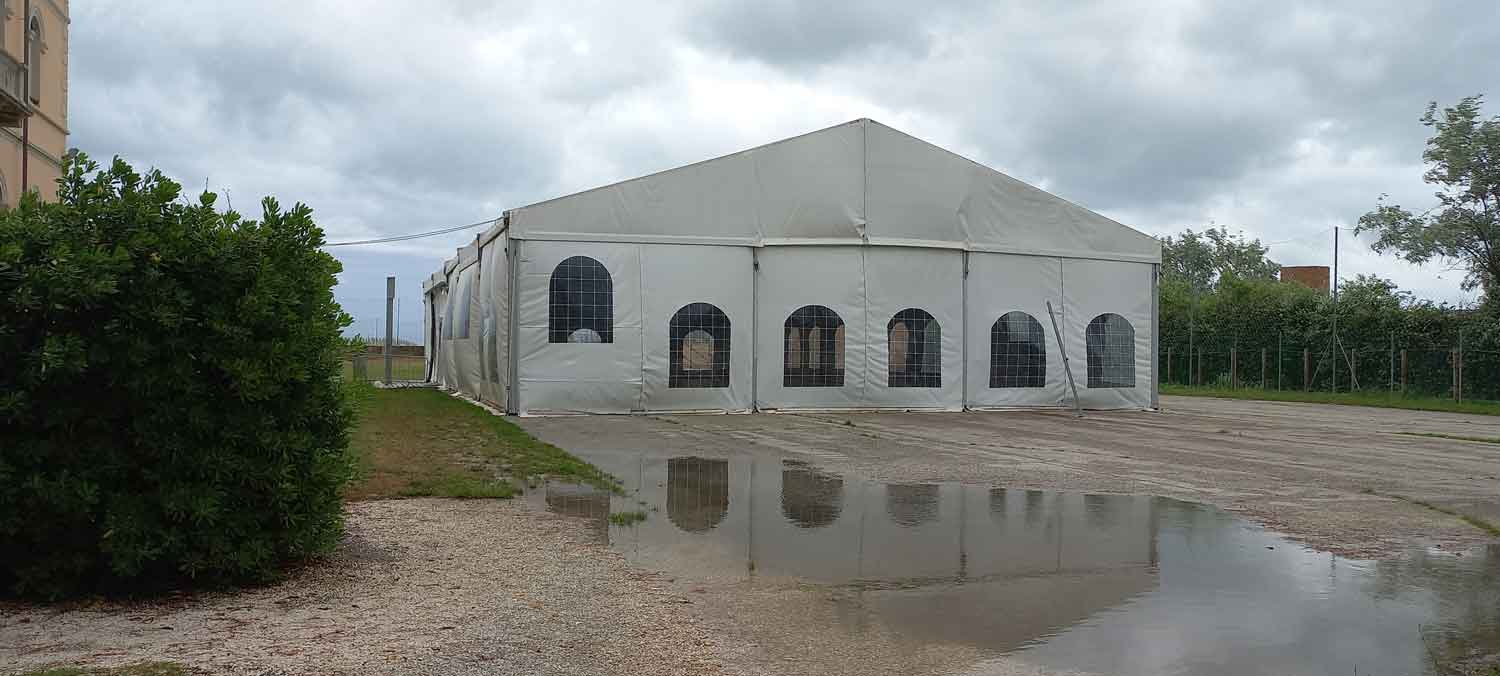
x=426, y=586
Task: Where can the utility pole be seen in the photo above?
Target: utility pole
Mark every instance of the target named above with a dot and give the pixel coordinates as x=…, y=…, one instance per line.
x=390, y=299
x=1336, y=352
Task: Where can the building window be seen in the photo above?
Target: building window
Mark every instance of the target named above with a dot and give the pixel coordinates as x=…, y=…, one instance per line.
x=699, y=347
x=916, y=349
x=34, y=57
x=1111, y=352
x=580, y=303
x=1018, y=352
x=813, y=348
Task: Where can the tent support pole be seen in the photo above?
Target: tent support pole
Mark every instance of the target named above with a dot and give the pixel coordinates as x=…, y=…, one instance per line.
x=1068, y=369
x=963, y=334
x=513, y=397
x=754, y=329
x=1155, y=345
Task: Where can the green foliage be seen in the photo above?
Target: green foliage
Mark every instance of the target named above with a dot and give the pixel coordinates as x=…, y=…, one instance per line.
x=1201, y=260
x=1463, y=161
x=169, y=395
x=627, y=518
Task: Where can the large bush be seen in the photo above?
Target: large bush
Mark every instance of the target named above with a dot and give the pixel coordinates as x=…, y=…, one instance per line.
x=170, y=406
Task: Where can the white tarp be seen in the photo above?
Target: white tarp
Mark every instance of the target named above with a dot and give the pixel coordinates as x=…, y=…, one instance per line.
x=1092, y=289
x=494, y=326
x=674, y=276
x=927, y=280
x=593, y=377
x=857, y=183
x=998, y=285
x=790, y=278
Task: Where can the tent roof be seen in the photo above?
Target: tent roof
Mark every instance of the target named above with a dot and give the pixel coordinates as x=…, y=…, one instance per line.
x=860, y=182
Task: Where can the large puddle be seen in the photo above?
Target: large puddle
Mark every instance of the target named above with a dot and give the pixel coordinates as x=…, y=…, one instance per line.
x=1097, y=583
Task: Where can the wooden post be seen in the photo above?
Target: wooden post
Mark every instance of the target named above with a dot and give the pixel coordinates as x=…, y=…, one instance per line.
x=1234, y=368
x=1353, y=370
x=1306, y=369
x=1262, y=368
x=1403, y=369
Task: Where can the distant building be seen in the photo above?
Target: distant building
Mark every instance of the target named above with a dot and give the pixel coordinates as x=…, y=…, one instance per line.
x=33, y=96
x=1310, y=276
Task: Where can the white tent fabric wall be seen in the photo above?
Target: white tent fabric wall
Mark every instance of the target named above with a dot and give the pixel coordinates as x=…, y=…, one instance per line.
x=791, y=278
x=858, y=235
x=494, y=304
x=674, y=276
x=1092, y=289
x=578, y=377
x=1000, y=284
x=927, y=280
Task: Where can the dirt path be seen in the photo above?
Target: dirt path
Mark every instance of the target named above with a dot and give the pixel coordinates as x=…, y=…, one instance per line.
x=418, y=587
x=1322, y=474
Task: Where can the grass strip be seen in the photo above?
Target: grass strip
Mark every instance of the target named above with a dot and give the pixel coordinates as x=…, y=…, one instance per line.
x=1375, y=399
x=423, y=442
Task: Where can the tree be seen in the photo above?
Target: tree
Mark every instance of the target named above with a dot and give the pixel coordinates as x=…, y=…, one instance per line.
x=170, y=403
x=1201, y=260
x=1463, y=229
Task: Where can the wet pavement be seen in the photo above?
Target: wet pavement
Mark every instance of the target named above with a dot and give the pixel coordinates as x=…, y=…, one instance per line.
x=1067, y=581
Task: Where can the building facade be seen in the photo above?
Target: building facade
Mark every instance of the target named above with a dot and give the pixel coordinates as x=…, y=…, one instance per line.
x=33, y=96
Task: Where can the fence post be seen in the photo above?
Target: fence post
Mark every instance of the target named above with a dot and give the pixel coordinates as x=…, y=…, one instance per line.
x=1353, y=370
x=1169, y=363
x=1234, y=368
x=1306, y=369
x=1459, y=365
x=1200, y=367
x=1453, y=366
x=1278, y=360
x=1262, y=368
x=390, y=324
x=1403, y=370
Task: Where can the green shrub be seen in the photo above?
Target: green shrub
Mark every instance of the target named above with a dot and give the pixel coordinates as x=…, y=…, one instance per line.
x=170, y=406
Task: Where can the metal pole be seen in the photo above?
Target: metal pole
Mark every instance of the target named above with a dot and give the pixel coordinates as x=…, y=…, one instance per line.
x=1234, y=368
x=1335, y=340
x=1279, y=336
x=390, y=328
x=1067, y=369
x=1306, y=368
x=1263, y=368
x=1169, y=363
x=1403, y=370
x=1200, y=367
x=1392, y=360
x=1459, y=365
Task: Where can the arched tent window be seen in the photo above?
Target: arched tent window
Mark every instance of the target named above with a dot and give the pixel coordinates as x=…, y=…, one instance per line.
x=1018, y=352
x=699, y=347
x=916, y=349
x=580, y=303
x=813, y=348
x=1111, y=351
x=34, y=57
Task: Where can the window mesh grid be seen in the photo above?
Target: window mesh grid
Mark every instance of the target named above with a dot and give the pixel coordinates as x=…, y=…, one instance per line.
x=1018, y=352
x=1111, y=352
x=915, y=346
x=813, y=348
x=580, y=303
x=699, y=347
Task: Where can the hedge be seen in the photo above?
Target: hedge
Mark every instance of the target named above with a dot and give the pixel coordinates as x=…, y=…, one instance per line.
x=170, y=407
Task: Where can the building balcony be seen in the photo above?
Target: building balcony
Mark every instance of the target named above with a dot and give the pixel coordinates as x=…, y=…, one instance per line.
x=13, y=108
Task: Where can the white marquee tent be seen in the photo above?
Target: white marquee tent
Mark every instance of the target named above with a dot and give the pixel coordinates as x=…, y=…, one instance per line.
x=852, y=267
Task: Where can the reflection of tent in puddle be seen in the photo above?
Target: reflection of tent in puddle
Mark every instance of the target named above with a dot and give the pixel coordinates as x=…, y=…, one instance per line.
x=1005, y=613
x=809, y=498
x=697, y=493
x=582, y=501
x=911, y=505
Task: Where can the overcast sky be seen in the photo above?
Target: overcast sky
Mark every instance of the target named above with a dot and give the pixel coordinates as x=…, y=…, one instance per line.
x=1280, y=119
